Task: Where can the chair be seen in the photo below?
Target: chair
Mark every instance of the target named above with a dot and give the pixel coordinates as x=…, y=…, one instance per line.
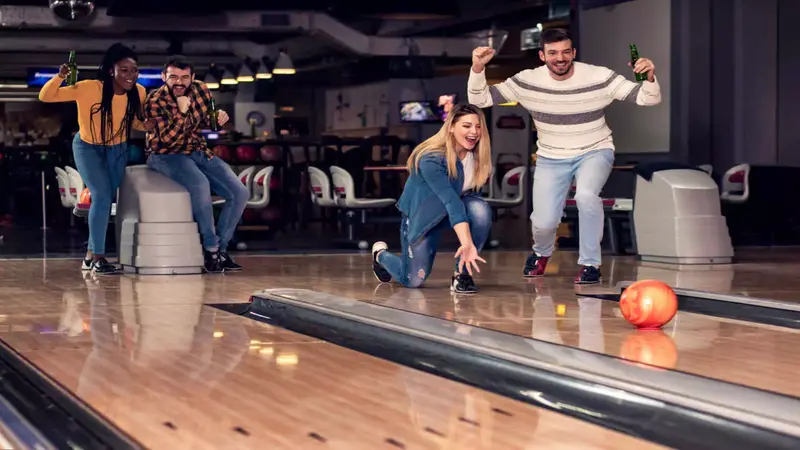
x=75, y=183
x=62, y=178
x=736, y=184
x=260, y=196
x=321, y=194
x=512, y=193
x=344, y=195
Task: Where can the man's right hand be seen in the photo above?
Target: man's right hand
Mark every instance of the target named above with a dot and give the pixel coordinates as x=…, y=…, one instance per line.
x=63, y=71
x=480, y=57
x=183, y=104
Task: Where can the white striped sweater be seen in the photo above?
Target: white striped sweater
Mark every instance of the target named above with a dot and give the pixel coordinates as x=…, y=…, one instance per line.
x=568, y=114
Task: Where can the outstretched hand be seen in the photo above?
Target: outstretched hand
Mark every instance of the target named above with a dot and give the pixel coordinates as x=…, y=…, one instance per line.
x=469, y=258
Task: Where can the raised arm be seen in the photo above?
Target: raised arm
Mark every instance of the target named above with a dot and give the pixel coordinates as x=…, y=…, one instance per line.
x=433, y=169
x=52, y=92
x=479, y=93
x=646, y=94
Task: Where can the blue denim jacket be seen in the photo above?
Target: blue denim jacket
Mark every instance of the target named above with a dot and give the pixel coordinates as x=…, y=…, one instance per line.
x=430, y=195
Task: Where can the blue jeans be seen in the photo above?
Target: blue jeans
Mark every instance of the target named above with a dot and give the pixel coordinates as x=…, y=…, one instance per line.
x=551, y=182
x=199, y=175
x=414, y=266
x=101, y=169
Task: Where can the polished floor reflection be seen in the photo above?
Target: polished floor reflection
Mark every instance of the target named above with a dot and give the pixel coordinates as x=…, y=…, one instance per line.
x=147, y=353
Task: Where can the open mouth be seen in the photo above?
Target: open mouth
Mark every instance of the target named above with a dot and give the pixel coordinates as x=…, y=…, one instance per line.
x=472, y=141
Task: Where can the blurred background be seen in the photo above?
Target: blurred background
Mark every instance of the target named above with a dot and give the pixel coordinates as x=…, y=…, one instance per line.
x=356, y=86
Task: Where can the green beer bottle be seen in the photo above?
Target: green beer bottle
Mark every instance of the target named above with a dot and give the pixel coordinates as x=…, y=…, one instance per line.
x=72, y=77
x=213, y=116
x=634, y=58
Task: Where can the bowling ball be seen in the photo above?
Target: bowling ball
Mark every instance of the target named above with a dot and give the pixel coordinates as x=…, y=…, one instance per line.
x=270, y=153
x=245, y=153
x=654, y=348
x=86, y=197
x=135, y=154
x=274, y=183
x=271, y=213
x=223, y=152
x=648, y=304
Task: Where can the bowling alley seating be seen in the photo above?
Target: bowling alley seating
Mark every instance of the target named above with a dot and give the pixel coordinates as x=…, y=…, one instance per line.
x=512, y=193
x=736, y=184
x=62, y=178
x=345, y=197
x=156, y=233
x=260, y=189
x=677, y=216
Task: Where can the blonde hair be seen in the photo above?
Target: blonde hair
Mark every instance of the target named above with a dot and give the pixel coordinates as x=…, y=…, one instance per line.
x=443, y=142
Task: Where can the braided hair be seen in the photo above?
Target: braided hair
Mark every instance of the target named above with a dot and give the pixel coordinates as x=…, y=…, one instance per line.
x=113, y=55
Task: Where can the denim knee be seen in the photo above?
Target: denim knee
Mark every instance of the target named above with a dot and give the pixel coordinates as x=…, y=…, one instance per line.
x=240, y=194
x=102, y=200
x=479, y=213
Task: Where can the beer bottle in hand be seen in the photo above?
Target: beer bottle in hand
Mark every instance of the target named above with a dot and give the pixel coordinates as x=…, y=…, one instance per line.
x=72, y=77
x=213, y=116
x=634, y=58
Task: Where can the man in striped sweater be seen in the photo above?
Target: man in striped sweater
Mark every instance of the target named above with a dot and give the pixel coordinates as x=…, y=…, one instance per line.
x=566, y=100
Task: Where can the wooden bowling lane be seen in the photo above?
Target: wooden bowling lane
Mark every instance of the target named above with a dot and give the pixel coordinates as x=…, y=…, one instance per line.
x=172, y=373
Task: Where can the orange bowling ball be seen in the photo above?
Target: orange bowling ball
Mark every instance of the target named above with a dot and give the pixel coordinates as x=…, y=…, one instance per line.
x=648, y=304
x=86, y=197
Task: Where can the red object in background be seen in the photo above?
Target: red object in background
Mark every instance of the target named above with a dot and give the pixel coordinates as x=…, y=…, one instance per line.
x=223, y=152
x=274, y=183
x=270, y=153
x=648, y=304
x=249, y=215
x=271, y=214
x=246, y=154
x=85, y=199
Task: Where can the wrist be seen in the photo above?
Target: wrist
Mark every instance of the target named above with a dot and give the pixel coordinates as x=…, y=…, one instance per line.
x=478, y=68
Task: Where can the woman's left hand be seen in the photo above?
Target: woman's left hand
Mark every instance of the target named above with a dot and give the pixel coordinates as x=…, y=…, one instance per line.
x=469, y=258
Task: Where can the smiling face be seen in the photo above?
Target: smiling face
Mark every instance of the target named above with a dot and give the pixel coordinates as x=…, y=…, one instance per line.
x=125, y=74
x=466, y=131
x=178, y=80
x=558, y=57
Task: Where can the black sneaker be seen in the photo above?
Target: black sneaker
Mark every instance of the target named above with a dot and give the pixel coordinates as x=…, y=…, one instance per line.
x=380, y=273
x=535, y=266
x=588, y=275
x=227, y=262
x=213, y=262
x=463, y=284
x=103, y=267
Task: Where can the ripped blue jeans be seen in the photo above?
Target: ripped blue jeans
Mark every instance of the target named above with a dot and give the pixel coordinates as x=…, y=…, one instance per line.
x=413, y=266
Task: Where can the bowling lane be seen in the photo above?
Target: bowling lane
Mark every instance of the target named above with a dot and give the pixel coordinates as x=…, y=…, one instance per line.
x=760, y=356
x=185, y=375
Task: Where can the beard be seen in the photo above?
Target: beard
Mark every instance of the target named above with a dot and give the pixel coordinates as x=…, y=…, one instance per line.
x=185, y=90
x=559, y=70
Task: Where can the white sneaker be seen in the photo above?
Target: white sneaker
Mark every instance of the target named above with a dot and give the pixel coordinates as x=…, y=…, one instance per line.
x=380, y=273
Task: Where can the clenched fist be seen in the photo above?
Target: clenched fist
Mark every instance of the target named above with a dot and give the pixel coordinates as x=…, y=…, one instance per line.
x=183, y=103
x=480, y=57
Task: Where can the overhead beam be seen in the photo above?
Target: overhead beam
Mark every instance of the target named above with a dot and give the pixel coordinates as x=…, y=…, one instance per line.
x=34, y=17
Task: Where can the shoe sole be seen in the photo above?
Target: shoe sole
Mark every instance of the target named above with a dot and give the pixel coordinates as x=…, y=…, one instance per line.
x=589, y=282
x=533, y=276
x=377, y=277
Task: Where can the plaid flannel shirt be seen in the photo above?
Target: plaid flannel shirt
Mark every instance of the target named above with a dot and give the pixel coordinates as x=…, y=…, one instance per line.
x=177, y=133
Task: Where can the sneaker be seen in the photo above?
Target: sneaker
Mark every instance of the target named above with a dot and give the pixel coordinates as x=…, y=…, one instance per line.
x=213, y=262
x=86, y=265
x=227, y=262
x=103, y=267
x=463, y=284
x=380, y=273
x=535, y=265
x=588, y=275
